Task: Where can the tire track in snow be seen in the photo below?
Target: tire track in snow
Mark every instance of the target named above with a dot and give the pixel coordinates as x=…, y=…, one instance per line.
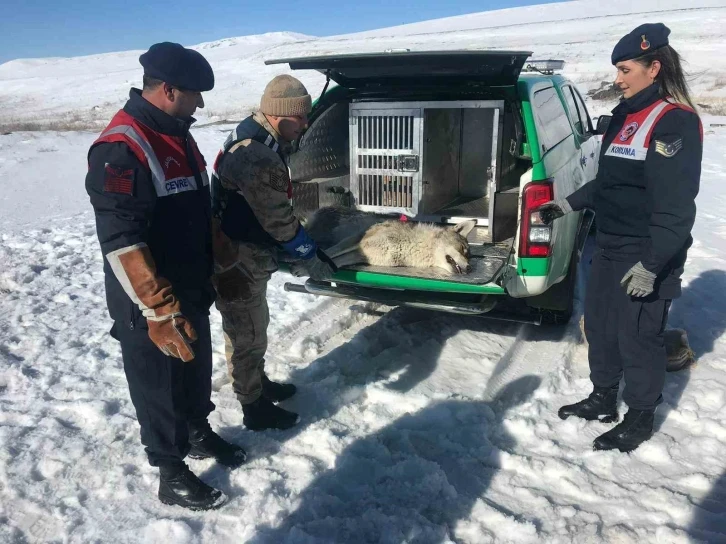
x=536, y=351
x=318, y=330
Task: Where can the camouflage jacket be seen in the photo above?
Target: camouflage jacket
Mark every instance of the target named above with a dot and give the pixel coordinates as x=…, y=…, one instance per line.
x=249, y=230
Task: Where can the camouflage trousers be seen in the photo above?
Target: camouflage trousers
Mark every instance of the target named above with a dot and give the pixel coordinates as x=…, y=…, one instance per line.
x=244, y=323
x=242, y=271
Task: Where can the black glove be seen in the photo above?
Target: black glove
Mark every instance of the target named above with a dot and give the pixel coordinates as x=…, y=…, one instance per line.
x=319, y=267
x=554, y=209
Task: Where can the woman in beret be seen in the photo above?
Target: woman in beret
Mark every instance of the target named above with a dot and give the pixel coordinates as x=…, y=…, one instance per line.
x=644, y=200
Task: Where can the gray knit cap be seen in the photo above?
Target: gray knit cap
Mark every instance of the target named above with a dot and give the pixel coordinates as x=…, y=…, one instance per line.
x=285, y=96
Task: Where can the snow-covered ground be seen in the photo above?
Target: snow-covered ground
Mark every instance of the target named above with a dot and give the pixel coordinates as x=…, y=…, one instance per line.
x=416, y=426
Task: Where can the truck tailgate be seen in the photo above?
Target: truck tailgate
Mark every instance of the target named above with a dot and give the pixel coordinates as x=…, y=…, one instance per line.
x=487, y=262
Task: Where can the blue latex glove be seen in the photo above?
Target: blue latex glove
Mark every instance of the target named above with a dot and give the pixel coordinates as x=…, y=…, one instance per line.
x=301, y=246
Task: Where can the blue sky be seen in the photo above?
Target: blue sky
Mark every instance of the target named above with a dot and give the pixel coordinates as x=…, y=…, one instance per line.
x=64, y=28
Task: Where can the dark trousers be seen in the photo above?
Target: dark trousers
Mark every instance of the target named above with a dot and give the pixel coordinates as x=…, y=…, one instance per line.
x=168, y=394
x=625, y=335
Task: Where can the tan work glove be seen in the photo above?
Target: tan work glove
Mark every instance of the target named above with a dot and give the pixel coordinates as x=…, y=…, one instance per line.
x=173, y=336
x=168, y=328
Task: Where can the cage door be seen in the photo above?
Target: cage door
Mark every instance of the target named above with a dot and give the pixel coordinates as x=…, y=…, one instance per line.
x=386, y=158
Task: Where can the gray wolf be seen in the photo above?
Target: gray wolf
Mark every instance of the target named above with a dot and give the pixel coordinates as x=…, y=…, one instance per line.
x=354, y=237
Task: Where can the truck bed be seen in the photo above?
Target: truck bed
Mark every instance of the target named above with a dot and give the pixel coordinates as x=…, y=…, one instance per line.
x=467, y=207
x=487, y=262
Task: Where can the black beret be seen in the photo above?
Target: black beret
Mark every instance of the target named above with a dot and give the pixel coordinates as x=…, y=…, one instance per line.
x=178, y=66
x=641, y=41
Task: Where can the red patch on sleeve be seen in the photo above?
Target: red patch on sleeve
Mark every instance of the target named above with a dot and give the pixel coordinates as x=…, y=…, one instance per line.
x=118, y=180
x=216, y=162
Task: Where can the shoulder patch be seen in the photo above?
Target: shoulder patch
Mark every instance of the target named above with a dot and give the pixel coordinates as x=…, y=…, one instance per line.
x=118, y=180
x=278, y=181
x=668, y=150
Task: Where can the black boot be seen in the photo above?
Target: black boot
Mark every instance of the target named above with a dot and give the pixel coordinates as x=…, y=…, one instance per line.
x=602, y=404
x=277, y=392
x=178, y=485
x=263, y=414
x=206, y=443
x=636, y=428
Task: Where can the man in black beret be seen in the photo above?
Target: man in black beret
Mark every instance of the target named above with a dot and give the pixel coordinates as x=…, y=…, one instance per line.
x=149, y=189
x=183, y=68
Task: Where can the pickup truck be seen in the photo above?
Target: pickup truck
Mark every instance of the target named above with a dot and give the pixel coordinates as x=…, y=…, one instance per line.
x=445, y=136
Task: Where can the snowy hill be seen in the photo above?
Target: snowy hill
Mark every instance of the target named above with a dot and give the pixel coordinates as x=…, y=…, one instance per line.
x=86, y=91
x=416, y=427
x=82, y=92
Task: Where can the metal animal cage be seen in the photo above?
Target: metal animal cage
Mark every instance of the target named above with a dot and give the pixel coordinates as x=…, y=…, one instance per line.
x=397, y=167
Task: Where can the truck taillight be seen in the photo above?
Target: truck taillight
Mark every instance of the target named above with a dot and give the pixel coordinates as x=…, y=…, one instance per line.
x=535, y=237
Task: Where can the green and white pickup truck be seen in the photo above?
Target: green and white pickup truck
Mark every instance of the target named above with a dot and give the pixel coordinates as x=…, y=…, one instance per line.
x=443, y=136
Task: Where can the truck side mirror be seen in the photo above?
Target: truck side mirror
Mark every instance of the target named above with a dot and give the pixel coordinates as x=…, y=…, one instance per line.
x=603, y=122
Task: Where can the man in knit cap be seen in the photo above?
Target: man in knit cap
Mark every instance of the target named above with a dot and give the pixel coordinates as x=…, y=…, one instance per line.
x=253, y=219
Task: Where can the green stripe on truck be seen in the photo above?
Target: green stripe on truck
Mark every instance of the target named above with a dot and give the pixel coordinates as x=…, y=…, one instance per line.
x=372, y=279
x=533, y=266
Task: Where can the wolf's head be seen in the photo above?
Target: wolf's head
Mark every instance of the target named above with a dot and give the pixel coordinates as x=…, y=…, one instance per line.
x=451, y=251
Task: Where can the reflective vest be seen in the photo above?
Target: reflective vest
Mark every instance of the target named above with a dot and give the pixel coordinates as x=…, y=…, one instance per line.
x=165, y=156
x=633, y=140
x=178, y=231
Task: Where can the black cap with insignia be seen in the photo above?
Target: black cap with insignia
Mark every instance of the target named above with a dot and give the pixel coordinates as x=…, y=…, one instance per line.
x=641, y=41
x=176, y=65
